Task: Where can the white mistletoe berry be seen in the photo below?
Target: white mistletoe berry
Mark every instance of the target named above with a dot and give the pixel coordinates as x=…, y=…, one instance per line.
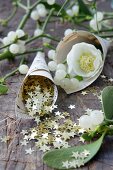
x=51, y=2
x=38, y=32
x=12, y=36
x=51, y=54
x=52, y=65
x=6, y=41
x=35, y=15
x=65, y=83
x=85, y=122
x=20, y=33
x=97, y=117
x=40, y=6
x=68, y=31
x=14, y=48
x=23, y=69
x=69, y=12
x=42, y=12
x=60, y=74
x=75, y=9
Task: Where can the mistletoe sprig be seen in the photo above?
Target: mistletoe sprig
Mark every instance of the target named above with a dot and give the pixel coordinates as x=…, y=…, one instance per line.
x=77, y=156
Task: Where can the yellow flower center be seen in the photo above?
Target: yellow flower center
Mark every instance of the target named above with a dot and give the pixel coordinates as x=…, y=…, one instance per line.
x=87, y=62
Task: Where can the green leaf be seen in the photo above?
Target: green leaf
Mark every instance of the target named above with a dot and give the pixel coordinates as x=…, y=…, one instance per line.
x=84, y=8
x=55, y=157
x=3, y=89
x=87, y=137
x=107, y=103
x=80, y=78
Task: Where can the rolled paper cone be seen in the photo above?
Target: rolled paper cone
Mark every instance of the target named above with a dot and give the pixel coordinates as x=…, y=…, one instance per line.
x=38, y=68
x=66, y=44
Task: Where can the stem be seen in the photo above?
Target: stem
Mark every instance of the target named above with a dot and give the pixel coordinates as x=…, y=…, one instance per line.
x=12, y=15
x=6, y=54
x=21, y=5
x=10, y=74
x=14, y=71
x=27, y=15
x=24, y=20
x=104, y=30
x=42, y=35
x=5, y=46
x=31, y=51
x=66, y=1
x=49, y=46
x=28, y=3
x=47, y=19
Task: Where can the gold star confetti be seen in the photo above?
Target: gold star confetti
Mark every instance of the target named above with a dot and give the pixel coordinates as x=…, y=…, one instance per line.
x=65, y=164
x=81, y=139
x=84, y=93
x=111, y=79
x=103, y=76
x=5, y=139
x=45, y=148
x=24, y=143
x=71, y=106
x=29, y=151
x=75, y=155
x=86, y=153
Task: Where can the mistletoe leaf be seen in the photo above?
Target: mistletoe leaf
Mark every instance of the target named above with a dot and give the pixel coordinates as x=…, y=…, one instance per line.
x=107, y=103
x=3, y=89
x=55, y=157
x=84, y=8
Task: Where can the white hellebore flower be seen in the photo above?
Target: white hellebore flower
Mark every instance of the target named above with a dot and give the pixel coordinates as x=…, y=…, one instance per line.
x=84, y=59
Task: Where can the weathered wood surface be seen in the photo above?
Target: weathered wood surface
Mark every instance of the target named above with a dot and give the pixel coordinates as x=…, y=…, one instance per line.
x=12, y=154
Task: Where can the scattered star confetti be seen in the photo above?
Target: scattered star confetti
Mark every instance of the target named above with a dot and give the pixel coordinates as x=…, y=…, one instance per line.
x=71, y=107
x=82, y=139
x=5, y=139
x=23, y=132
x=111, y=79
x=75, y=155
x=84, y=93
x=24, y=143
x=103, y=76
x=65, y=164
x=86, y=153
x=29, y=151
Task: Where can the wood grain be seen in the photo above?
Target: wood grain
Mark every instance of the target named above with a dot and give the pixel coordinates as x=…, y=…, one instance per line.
x=12, y=154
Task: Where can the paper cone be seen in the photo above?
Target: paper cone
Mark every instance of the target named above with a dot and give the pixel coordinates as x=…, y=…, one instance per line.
x=38, y=68
x=66, y=44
